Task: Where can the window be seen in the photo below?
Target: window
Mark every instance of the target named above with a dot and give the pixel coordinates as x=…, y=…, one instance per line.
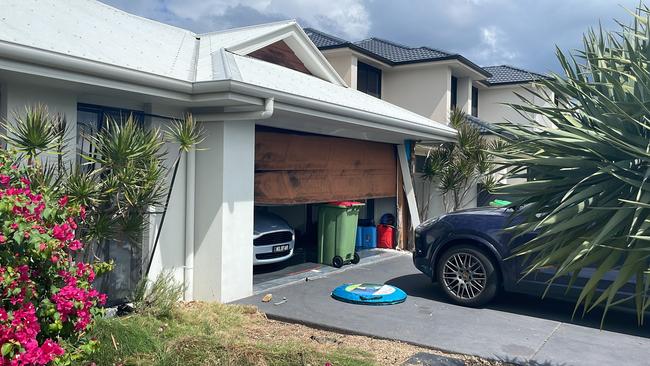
x=369, y=79
x=454, y=92
x=91, y=118
x=475, y=101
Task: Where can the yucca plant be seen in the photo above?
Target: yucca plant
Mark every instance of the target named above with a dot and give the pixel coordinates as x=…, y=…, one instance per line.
x=588, y=194
x=455, y=168
x=35, y=132
x=128, y=178
x=118, y=181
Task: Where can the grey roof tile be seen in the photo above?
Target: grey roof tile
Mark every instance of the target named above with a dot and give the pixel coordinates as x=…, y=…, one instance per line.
x=482, y=126
x=504, y=74
x=324, y=40
x=398, y=53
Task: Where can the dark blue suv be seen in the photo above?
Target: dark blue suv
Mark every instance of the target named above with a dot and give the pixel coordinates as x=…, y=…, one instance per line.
x=467, y=253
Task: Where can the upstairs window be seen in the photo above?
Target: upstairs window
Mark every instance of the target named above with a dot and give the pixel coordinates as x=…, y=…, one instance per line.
x=475, y=101
x=454, y=92
x=369, y=79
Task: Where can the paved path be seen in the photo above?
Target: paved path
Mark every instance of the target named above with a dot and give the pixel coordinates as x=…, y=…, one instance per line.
x=519, y=329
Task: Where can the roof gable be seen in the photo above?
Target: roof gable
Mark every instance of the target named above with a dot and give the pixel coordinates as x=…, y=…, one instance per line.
x=244, y=41
x=279, y=53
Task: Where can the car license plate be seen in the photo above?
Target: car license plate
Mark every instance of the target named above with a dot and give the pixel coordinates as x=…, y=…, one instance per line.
x=281, y=248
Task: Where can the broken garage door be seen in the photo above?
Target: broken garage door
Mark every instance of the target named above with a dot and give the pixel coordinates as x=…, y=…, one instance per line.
x=296, y=169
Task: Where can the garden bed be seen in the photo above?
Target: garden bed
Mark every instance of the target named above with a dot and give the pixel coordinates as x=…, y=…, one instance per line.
x=199, y=333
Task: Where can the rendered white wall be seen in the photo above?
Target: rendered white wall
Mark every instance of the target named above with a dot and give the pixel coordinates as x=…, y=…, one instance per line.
x=492, y=109
x=425, y=91
x=223, y=262
x=170, y=254
x=346, y=66
x=428, y=193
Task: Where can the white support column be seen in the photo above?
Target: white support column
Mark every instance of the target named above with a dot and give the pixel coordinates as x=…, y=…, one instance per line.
x=223, y=214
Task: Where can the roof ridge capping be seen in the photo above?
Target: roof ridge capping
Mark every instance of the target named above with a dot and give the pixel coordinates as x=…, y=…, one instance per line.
x=261, y=25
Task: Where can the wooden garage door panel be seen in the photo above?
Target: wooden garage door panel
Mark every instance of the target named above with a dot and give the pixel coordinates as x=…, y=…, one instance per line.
x=295, y=187
x=295, y=169
x=278, y=151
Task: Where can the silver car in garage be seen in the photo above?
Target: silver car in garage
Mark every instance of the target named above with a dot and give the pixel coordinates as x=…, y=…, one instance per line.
x=273, y=239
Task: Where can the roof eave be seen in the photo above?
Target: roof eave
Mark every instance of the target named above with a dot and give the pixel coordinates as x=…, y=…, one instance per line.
x=79, y=70
x=509, y=83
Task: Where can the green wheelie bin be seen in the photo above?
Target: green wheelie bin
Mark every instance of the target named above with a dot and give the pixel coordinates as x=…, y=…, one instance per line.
x=337, y=231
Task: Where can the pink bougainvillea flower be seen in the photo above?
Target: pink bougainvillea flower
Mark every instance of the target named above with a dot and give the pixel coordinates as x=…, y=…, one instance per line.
x=63, y=201
x=75, y=245
x=3, y=239
x=4, y=179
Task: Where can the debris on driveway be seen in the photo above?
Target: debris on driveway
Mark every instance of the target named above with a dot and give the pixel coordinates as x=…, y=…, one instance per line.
x=267, y=298
x=429, y=359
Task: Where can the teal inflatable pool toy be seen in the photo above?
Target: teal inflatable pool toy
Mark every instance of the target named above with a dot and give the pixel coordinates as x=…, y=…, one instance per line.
x=369, y=294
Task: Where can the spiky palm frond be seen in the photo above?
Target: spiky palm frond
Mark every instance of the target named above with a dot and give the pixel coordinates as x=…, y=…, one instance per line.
x=186, y=133
x=35, y=132
x=588, y=197
x=456, y=167
x=122, y=142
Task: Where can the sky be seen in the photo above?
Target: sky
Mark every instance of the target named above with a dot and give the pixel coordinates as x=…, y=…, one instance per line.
x=520, y=33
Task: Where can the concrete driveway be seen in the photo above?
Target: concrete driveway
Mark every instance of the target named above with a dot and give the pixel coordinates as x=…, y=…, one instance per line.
x=519, y=329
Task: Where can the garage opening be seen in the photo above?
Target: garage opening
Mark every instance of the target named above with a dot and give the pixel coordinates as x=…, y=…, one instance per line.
x=295, y=174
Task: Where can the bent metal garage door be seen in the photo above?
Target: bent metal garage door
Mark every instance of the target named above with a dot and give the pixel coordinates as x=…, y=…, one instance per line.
x=297, y=169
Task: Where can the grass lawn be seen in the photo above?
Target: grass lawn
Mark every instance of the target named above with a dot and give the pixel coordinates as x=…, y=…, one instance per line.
x=199, y=333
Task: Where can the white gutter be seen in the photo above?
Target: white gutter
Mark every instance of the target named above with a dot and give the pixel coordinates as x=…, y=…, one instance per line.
x=265, y=113
x=345, y=111
x=188, y=272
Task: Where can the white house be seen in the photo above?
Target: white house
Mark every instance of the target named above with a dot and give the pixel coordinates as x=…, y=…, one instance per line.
x=256, y=91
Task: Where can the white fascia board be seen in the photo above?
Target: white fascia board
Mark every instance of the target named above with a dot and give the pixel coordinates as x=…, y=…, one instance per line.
x=355, y=121
x=442, y=134
x=300, y=44
x=523, y=84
